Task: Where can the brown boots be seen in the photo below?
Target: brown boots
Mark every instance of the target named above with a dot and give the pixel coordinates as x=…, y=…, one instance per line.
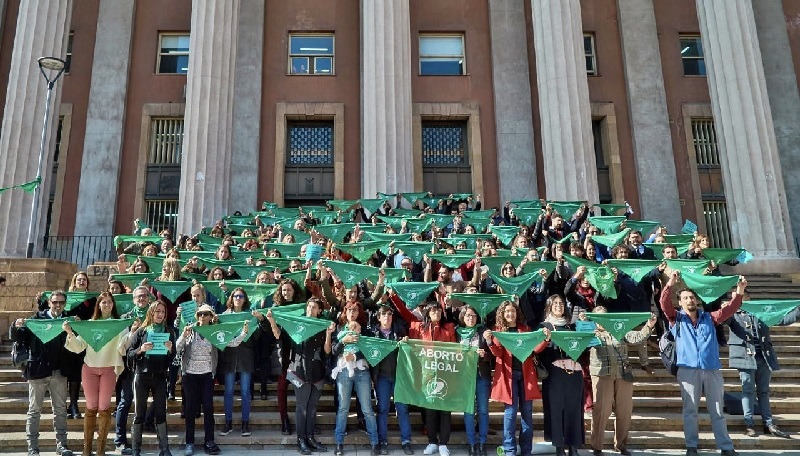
x=103, y=425
x=89, y=422
x=102, y=420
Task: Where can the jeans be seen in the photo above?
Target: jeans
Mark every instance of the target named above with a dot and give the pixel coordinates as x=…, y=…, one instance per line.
x=384, y=389
x=125, y=385
x=525, y=408
x=756, y=383
x=199, y=391
x=694, y=383
x=362, y=383
x=230, y=384
x=56, y=384
x=483, y=387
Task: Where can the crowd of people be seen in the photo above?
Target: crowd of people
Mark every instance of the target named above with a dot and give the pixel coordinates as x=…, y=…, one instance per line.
x=546, y=259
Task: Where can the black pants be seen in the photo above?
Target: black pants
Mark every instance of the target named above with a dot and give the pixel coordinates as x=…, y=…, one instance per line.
x=143, y=385
x=305, y=414
x=438, y=424
x=199, y=391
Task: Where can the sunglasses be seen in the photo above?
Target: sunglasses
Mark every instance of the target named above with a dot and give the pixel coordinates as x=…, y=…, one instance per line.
x=238, y=296
x=204, y=314
x=59, y=302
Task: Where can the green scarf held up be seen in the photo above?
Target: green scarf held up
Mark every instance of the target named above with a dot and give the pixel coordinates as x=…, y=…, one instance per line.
x=335, y=232
x=73, y=298
x=118, y=240
x=644, y=226
x=241, y=317
x=350, y=274
x=770, y=311
x=389, y=237
x=483, y=303
x=300, y=327
x=441, y=220
x=602, y=279
x=212, y=286
x=375, y=349
x=611, y=240
x=362, y=251
x=608, y=223
x=573, y=343
x=636, y=269
x=452, y=261
x=416, y=225
x=565, y=209
x=535, y=266
x=256, y=292
x=477, y=214
x=171, y=289
x=721, y=256
x=286, y=250
x=414, y=293
x=619, y=323
x=520, y=344
x=465, y=333
x=123, y=302
x=220, y=335
x=527, y=216
x=46, y=329
x=690, y=266
x=709, y=288
x=300, y=237
x=576, y=262
x=403, y=212
x=134, y=280
x=412, y=197
x=504, y=234
x=325, y=217
x=413, y=249
x=98, y=333
x=372, y=205
x=571, y=237
x=470, y=240
x=611, y=209
x=294, y=309
x=658, y=249
x=249, y=272
x=515, y=285
x=494, y=263
x=396, y=222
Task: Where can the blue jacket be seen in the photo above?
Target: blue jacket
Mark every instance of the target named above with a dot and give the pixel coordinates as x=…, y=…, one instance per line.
x=697, y=346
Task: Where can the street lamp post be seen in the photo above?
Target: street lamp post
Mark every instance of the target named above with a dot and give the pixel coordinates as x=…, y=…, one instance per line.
x=51, y=64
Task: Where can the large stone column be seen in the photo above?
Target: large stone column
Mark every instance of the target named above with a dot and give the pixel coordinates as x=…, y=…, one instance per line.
x=751, y=168
x=513, y=114
x=386, y=146
x=569, y=162
x=647, y=101
x=784, y=96
x=42, y=30
x=247, y=107
x=105, y=119
x=206, y=159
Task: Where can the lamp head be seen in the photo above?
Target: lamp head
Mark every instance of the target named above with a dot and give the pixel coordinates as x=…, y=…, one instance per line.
x=51, y=63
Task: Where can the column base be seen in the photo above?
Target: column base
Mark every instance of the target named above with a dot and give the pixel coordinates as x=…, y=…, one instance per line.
x=765, y=264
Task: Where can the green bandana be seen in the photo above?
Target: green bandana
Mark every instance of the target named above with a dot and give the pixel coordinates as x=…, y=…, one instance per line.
x=637, y=269
x=480, y=225
x=645, y=226
x=362, y=251
x=483, y=303
x=239, y=219
x=46, y=329
x=343, y=205
x=403, y=212
x=118, y=240
x=285, y=212
x=389, y=237
x=608, y=224
x=248, y=272
x=224, y=264
x=375, y=348
x=396, y=222
x=220, y=335
x=241, y=317
x=413, y=249
x=527, y=204
x=575, y=262
x=568, y=238
x=98, y=333
x=300, y=237
x=602, y=279
x=465, y=333
x=377, y=228
x=469, y=239
x=720, y=256
x=477, y=214
x=236, y=228
x=527, y=216
x=134, y=280
x=709, y=288
x=280, y=263
x=611, y=209
x=298, y=309
x=393, y=275
x=75, y=298
x=436, y=375
x=414, y=293
x=618, y=324
x=565, y=209
x=690, y=266
x=139, y=313
x=441, y=220
x=350, y=274
x=335, y=232
x=452, y=261
x=412, y=197
x=372, y=205
x=535, y=266
x=309, y=209
x=206, y=239
x=678, y=238
x=171, y=289
x=496, y=262
x=611, y=240
x=256, y=292
x=520, y=344
x=212, y=286
x=770, y=311
x=300, y=327
x=286, y=250
x=572, y=342
x=658, y=249
x=416, y=225
x=459, y=196
x=299, y=277
x=325, y=217
x=504, y=234
x=123, y=302
x=515, y=285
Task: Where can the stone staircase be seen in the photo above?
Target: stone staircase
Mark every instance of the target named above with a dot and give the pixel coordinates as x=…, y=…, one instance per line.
x=657, y=419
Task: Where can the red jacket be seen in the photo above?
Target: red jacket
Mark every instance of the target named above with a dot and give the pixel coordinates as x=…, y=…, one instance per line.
x=443, y=333
x=501, y=382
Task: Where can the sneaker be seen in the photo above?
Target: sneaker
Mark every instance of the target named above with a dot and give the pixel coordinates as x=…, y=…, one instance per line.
x=443, y=451
x=774, y=430
x=729, y=453
x=33, y=452
x=384, y=448
x=188, y=450
x=246, y=429
x=227, y=428
x=63, y=450
x=211, y=448
x=124, y=449
x=431, y=449
x=750, y=431
x=407, y=449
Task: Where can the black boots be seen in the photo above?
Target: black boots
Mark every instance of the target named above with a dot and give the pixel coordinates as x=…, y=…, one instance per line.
x=316, y=446
x=163, y=443
x=136, y=439
x=302, y=446
x=286, y=428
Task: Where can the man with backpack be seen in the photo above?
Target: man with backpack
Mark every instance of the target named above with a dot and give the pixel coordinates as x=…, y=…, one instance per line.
x=698, y=361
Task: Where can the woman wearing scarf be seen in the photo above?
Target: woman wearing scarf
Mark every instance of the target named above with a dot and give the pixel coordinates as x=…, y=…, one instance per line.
x=470, y=332
x=150, y=371
x=198, y=364
x=98, y=376
x=562, y=390
x=82, y=311
x=288, y=292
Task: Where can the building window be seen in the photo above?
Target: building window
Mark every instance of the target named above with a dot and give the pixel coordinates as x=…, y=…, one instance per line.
x=308, y=173
x=441, y=55
x=310, y=144
x=162, y=184
x=173, y=53
x=590, y=54
x=311, y=54
x=445, y=157
x=68, y=57
x=692, y=55
x=712, y=189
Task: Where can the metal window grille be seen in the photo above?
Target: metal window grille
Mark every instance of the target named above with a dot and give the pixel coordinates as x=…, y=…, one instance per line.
x=161, y=214
x=166, y=141
x=310, y=145
x=444, y=145
x=704, y=136
x=717, y=224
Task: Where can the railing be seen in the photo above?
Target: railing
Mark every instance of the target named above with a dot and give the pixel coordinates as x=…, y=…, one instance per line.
x=81, y=250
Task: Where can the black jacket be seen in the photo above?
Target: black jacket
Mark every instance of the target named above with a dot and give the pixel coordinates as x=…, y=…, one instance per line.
x=44, y=359
x=156, y=364
x=388, y=366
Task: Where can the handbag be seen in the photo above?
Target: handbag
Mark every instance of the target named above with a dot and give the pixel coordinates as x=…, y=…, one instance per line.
x=541, y=371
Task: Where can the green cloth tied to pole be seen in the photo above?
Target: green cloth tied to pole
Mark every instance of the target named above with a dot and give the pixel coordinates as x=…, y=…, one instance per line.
x=413, y=249
x=452, y=261
x=690, y=266
x=436, y=375
x=608, y=223
x=720, y=256
x=300, y=327
x=98, y=333
x=644, y=226
x=46, y=329
x=362, y=251
x=375, y=349
x=637, y=269
x=709, y=288
x=413, y=293
x=619, y=323
x=611, y=209
x=504, y=234
x=27, y=187
x=527, y=216
x=171, y=289
x=770, y=311
x=515, y=285
x=335, y=232
x=241, y=317
x=221, y=334
x=572, y=342
x=483, y=303
x=520, y=344
x=611, y=240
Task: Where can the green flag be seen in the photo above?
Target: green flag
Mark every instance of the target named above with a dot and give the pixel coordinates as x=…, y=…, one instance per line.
x=770, y=311
x=678, y=238
x=414, y=293
x=720, y=256
x=414, y=250
x=644, y=226
x=608, y=223
x=124, y=302
x=619, y=323
x=388, y=237
x=286, y=250
x=611, y=240
x=46, y=329
x=504, y=234
x=98, y=333
x=637, y=269
x=520, y=344
x=221, y=334
x=709, y=288
x=240, y=317
x=372, y=205
x=27, y=187
x=335, y=232
x=362, y=251
x=436, y=375
x=611, y=209
x=349, y=273
x=451, y=261
x=572, y=342
x=690, y=266
x=300, y=327
x=483, y=303
x=375, y=349
x=527, y=216
x=134, y=280
x=515, y=285
x=171, y=289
